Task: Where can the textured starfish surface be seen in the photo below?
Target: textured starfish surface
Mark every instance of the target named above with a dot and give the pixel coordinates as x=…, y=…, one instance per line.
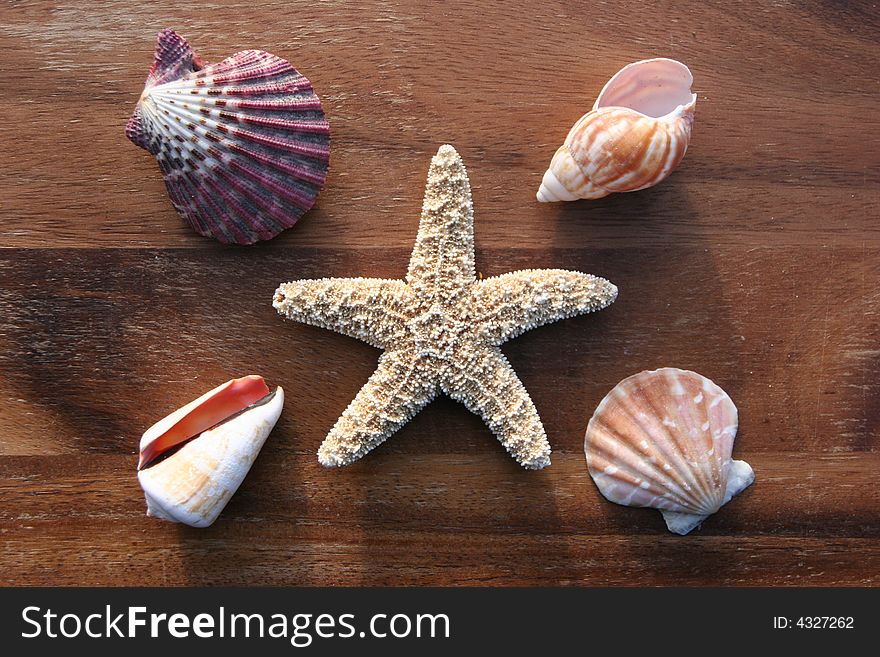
x=441, y=328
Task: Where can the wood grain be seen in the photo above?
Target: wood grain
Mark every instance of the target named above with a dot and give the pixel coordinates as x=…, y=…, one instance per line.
x=755, y=264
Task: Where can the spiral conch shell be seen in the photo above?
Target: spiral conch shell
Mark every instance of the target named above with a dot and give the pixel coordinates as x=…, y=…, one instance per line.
x=663, y=439
x=217, y=438
x=636, y=134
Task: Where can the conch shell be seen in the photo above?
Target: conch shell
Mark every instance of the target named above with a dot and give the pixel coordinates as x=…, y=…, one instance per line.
x=663, y=439
x=636, y=134
x=193, y=461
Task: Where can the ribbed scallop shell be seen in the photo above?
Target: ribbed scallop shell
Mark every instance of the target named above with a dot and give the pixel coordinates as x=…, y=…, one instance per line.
x=193, y=484
x=663, y=439
x=243, y=144
x=636, y=134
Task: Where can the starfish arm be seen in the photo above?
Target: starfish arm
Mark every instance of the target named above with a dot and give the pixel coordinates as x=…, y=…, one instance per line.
x=370, y=309
x=394, y=393
x=442, y=261
x=508, y=305
x=490, y=388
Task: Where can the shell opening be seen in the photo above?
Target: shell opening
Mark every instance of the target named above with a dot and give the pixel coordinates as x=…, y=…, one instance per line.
x=211, y=409
x=158, y=458
x=653, y=87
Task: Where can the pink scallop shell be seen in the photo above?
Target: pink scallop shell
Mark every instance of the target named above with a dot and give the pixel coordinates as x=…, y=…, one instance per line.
x=664, y=439
x=243, y=144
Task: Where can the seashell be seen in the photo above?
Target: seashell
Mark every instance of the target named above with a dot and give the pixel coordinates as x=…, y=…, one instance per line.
x=243, y=145
x=636, y=134
x=663, y=439
x=194, y=460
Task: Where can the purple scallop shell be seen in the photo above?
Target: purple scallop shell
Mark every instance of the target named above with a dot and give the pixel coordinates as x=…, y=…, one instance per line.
x=243, y=144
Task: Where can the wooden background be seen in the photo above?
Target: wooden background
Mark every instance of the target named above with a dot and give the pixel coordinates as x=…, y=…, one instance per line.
x=755, y=264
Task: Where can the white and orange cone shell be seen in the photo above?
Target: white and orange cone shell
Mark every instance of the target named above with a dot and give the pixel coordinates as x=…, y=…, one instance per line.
x=193, y=484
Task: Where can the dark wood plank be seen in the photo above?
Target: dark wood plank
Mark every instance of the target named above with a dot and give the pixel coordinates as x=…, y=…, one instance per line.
x=99, y=343
x=755, y=264
x=398, y=490
x=429, y=518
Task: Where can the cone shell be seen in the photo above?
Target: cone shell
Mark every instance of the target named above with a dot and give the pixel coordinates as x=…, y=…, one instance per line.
x=193, y=484
x=243, y=145
x=663, y=439
x=635, y=136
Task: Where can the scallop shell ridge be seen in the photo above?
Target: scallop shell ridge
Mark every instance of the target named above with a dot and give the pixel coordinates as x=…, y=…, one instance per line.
x=243, y=144
x=663, y=439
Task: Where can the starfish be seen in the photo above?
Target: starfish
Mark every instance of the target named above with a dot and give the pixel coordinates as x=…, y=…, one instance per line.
x=441, y=328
